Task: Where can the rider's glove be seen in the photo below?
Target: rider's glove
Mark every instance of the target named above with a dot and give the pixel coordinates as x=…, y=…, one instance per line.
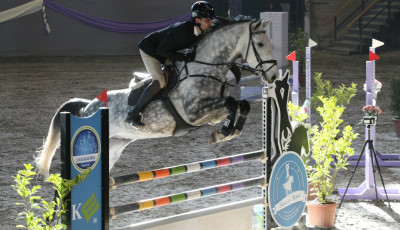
x=188, y=57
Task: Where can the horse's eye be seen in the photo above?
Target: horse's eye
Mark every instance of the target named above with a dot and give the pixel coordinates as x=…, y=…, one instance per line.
x=260, y=44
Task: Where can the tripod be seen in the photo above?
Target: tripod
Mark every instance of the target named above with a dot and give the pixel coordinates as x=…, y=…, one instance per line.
x=372, y=156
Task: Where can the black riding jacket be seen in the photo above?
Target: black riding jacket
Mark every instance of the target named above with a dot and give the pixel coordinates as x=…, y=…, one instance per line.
x=164, y=44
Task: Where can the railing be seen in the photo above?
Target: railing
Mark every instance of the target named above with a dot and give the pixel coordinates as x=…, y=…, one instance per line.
x=337, y=12
x=360, y=15
x=363, y=10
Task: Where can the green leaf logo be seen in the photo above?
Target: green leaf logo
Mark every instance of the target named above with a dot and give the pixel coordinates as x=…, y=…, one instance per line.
x=90, y=207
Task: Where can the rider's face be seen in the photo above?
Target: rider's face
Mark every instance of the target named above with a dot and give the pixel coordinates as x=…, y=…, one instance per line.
x=205, y=23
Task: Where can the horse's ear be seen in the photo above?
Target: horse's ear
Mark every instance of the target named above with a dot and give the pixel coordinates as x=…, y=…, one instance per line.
x=257, y=24
x=266, y=23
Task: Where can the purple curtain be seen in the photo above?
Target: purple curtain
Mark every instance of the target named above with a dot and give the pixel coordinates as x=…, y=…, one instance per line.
x=235, y=7
x=116, y=26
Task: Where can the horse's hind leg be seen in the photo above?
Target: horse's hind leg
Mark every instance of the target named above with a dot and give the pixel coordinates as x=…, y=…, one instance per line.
x=244, y=108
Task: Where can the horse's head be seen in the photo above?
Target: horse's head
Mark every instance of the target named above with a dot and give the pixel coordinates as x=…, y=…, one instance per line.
x=259, y=51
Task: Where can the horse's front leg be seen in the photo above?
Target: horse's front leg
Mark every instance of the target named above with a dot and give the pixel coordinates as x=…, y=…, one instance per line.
x=228, y=129
x=204, y=109
x=232, y=106
x=244, y=108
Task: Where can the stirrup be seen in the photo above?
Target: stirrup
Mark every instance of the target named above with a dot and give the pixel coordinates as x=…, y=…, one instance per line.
x=135, y=121
x=137, y=124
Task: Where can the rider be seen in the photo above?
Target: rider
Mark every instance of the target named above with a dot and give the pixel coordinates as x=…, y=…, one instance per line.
x=163, y=44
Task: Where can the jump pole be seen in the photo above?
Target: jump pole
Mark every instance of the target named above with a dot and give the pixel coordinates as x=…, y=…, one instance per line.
x=307, y=102
x=185, y=196
x=389, y=160
x=295, y=66
x=185, y=168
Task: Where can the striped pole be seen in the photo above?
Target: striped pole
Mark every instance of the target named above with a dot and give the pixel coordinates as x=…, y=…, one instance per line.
x=181, y=169
x=190, y=195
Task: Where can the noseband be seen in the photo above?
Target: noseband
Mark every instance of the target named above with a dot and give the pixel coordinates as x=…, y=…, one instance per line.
x=258, y=68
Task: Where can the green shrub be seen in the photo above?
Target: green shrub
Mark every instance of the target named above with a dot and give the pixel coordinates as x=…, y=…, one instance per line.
x=34, y=205
x=327, y=148
x=324, y=88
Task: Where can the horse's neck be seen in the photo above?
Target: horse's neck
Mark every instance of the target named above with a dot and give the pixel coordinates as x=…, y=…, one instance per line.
x=223, y=45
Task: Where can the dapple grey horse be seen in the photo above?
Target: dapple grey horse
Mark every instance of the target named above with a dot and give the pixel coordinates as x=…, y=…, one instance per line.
x=200, y=97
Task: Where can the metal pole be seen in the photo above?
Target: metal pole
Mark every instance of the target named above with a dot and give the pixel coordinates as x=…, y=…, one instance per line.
x=266, y=161
x=308, y=83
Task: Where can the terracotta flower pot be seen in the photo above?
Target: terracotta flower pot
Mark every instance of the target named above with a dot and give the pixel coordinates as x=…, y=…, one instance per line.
x=322, y=215
x=397, y=125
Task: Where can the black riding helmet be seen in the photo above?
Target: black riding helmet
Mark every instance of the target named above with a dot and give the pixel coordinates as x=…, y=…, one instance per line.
x=202, y=9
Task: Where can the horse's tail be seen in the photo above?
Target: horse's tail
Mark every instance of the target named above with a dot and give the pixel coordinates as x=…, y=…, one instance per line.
x=52, y=141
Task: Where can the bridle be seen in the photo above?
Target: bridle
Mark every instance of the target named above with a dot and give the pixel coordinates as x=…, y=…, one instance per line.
x=258, y=68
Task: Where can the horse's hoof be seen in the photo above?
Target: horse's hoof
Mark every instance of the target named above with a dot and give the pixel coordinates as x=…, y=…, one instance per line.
x=136, y=127
x=217, y=137
x=237, y=133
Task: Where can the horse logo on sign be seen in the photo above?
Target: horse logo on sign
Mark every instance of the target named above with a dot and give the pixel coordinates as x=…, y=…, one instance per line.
x=287, y=192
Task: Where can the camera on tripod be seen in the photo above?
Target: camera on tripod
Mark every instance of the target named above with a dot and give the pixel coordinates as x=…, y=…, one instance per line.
x=369, y=120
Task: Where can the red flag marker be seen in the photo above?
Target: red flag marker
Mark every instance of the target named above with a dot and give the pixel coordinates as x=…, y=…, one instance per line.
x=103, y=97
x=373, y=56
x=292, y=56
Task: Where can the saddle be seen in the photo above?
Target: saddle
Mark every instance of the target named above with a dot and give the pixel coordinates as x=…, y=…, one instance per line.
x=141, y=80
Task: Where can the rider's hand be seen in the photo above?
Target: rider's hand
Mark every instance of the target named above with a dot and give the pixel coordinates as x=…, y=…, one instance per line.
x=188, y=57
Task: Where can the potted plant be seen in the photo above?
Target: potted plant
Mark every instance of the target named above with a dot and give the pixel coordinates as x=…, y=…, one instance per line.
x=395, y=102
x=298, y=42
x=330, y=144
x=299, y=115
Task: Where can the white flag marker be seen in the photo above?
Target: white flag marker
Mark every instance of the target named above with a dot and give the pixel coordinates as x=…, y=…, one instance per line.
x=377, y=43
x=311, y=43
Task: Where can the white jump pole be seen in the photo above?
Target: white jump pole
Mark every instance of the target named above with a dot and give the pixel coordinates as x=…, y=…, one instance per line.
x=383, y=159
x=295, y=77
x=295, y=65
x=307, y=102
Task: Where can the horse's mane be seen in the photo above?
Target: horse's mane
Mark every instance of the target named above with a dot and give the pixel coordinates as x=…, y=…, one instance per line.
x=222, y=22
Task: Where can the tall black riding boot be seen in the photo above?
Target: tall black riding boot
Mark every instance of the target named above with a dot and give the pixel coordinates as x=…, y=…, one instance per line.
x=134, y=118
